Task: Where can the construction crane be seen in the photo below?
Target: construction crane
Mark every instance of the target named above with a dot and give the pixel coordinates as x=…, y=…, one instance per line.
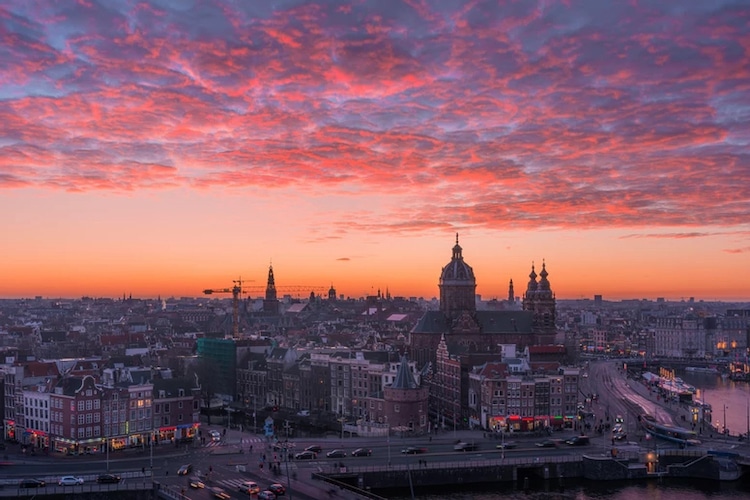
x=236, y=292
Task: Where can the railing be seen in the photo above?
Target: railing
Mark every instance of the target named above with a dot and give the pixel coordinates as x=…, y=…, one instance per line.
x=424, y=464
x=55, y=489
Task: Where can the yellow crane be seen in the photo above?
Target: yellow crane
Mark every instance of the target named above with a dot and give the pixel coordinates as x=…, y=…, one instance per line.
x=236, y=292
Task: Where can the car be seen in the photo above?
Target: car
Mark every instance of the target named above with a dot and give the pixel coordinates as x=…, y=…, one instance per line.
x=70, y=481
x=413, y=450
x=336, y=454
x=217, y=492
x=547, y=443
x=249, y=487
x=314, y=448
x=619, y=419
x=362, y=452
x=508, y=445
x=277, y=489
x=578, y=441
x=196, y=482
x=266, y=495
x=462, y=446
x=32, y=483
x=620, y=436
x=215, y=435
x=306, y=455
x=185, y=470
x=303, y=413
x=108, y=479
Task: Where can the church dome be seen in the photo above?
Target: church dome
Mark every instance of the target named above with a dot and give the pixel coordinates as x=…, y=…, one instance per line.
x=457, y=272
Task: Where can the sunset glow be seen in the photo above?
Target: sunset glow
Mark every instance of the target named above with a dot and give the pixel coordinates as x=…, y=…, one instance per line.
x=165, y=147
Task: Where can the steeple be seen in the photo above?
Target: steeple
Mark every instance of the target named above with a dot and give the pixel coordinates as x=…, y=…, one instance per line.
x=271, y=285
x=543, y=283
x=532, y=280
x=271, y=303
x=511, y=293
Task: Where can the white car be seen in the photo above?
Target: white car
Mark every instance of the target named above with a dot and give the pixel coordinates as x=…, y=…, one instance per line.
x=70, y=481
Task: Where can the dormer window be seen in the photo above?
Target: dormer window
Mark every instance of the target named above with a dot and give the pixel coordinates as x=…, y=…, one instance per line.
x=181, y=392
x=162, y=394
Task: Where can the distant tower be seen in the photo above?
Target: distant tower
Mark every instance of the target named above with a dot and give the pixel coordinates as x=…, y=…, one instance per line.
x=331, y=293
x=271, y=303
x=457, y=286
x=540, y=300
x=511, y=293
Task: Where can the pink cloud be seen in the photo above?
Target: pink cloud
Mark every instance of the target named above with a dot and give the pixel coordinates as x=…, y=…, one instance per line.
x=492, y=116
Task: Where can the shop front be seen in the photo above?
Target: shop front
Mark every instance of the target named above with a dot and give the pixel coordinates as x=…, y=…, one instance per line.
x=165, y=435
x=38, y=439
x=9, y=432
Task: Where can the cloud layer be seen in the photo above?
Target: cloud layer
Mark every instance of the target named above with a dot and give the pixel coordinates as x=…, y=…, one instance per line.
x=481, y=114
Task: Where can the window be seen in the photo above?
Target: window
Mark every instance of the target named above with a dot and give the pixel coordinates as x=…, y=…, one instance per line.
x=89, y=418
x=157, y=408
x=166, y=407
x=397, y=408
x=81, y=405
x=81, y=418
x=179, y=405
x=89, y=404
x=97, y=404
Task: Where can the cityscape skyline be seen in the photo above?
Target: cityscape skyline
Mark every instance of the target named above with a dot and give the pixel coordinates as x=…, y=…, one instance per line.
x=163, y=148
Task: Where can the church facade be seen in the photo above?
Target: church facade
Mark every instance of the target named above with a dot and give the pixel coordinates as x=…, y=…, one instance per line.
x=469, y=330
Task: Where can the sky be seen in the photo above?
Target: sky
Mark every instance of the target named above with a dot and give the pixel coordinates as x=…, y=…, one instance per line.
x=161, y=148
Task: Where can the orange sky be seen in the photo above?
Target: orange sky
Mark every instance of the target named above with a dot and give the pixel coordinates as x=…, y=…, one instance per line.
x=165, y=149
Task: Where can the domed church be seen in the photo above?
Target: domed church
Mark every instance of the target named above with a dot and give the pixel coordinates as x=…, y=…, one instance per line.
x=482, y=331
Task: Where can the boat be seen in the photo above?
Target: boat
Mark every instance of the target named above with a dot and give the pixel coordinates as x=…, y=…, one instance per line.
x=672, y=433
x=702, y=369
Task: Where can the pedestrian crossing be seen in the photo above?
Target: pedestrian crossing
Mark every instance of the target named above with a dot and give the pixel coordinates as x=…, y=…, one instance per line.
x=246, y=441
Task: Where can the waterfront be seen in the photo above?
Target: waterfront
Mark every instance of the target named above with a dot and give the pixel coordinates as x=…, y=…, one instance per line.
x=649, y=490
x=720, y=392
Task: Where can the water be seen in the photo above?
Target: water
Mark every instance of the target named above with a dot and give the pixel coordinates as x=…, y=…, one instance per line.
x=642, y=490
x=719, y=393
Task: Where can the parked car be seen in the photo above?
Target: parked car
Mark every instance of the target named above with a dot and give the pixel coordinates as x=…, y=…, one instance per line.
x=314, y=448
x=219, y=493
x=70, y=481
x=266, y=495
x=108, y=479
x=508, y=445
x=362, y=452
x=547, y=443
x=185, y=470
x=578, y=441
x=462, y=446
x=303, y=413
x=336, y=454
x=277, y=489
x=306, y=455
x=196, y=482
x=32, y=483
x=249, y=487
x=215, y=435
x=413, y=450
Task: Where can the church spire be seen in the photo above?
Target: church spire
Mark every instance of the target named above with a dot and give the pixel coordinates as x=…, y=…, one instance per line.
x=511, y=293
x=543, y=282
x=532, y=280
x=457, y=250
